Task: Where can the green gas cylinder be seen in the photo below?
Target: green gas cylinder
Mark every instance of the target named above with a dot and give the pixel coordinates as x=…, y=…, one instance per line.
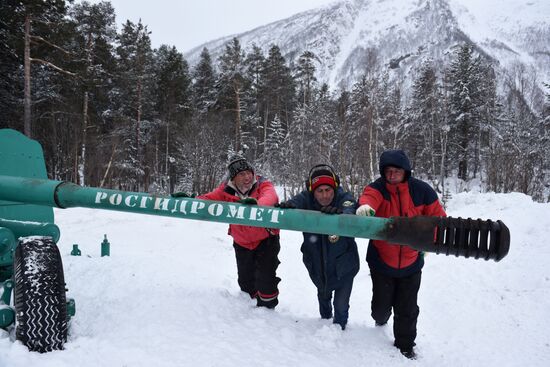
x=105, y=247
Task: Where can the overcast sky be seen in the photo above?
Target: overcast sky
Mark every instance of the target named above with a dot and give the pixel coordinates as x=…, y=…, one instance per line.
x=189, y=23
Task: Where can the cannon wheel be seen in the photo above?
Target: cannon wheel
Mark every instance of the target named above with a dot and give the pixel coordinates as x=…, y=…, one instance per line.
x=39, y=295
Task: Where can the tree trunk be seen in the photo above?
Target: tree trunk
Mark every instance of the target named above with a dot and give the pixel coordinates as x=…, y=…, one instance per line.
x=138, y=123
x=370, y=122
x=264, y=138
x=82, y=164
x=102, y=183
x=27, y=67
x=84, y=141
x=442, y=162
x=167, y=156
x=237, y=119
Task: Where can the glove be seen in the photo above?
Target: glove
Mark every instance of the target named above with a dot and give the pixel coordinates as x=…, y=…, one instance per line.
x=248, y=201
x=285, y=205
x=365, y=211
x=181, y=194
x=331, y=210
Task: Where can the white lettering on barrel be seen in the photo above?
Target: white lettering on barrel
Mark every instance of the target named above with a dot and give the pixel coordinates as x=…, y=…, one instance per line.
x=256, y=213
x=130, y=200
x=143, y=203
x=215, y=209
x=100, y=196
x=197, y=205
x=235, y=212
x=161, y=204
x=275, y=215
x=175, y=208
x=115, y=199
x=183, y=206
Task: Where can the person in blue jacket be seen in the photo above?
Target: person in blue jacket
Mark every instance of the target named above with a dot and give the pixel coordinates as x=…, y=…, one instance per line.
x=332, y=261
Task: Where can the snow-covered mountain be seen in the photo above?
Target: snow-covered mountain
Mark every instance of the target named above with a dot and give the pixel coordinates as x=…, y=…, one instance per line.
x=352, y=36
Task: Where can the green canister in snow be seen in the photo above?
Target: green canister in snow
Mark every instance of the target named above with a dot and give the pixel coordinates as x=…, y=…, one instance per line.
x=76, y=250
x=105, y=247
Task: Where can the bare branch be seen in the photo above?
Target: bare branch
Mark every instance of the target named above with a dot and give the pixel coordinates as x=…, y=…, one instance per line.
x=54, y=66
x=38, y=38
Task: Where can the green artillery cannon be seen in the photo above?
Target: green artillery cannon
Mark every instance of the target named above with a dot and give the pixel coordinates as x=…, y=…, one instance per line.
x=23, y=191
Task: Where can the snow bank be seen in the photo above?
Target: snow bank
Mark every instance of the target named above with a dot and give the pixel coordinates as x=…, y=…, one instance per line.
x=168, y=296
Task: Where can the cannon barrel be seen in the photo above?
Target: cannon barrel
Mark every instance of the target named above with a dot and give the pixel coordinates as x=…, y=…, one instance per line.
x=429, y=234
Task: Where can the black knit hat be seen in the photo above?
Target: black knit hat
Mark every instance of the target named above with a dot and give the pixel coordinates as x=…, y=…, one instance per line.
x=238, y=164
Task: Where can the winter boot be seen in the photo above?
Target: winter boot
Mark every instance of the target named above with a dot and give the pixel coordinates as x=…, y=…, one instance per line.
x=268, y=301
x=341, y=323
x=408, y=352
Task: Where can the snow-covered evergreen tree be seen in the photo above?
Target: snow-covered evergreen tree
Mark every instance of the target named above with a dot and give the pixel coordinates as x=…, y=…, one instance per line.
x=135, y=106
x=464, y=100
x=305, y=76
x=425, y=115
x=204, y=80
x=231, y=85
x=173, y=92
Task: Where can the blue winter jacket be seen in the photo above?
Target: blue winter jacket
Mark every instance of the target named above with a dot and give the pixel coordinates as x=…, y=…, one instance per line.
x=329, y=264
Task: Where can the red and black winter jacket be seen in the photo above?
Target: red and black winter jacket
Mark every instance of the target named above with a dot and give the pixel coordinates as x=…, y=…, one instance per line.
x=408, y=199
x=263, y=191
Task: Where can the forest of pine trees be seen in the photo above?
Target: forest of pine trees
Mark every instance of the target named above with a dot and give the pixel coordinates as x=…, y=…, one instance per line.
x=112, y=111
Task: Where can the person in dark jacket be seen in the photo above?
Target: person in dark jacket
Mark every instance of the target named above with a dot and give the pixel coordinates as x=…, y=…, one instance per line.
x=396, y=269
x=332, y=261
x=256, y=248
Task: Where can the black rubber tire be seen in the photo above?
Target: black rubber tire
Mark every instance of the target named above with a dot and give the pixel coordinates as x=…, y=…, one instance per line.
x=39, y=295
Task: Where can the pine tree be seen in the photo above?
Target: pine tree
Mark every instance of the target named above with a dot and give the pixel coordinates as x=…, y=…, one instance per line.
x=343, y=163
x=50, y=83
x=136, y=124
x=11, y=84
x=232, y=84
x=425, y=114
x=205, y=136
x=253, y=133
x=488, y=115
x=41, y=15
x=464, y=84
x=274, y=148
x=305, y=76
x=392, y=117
x=364, y=123
x=278, y=88
x=94, y=32
x=173, y=105
x=204, y=80
x=324, y=124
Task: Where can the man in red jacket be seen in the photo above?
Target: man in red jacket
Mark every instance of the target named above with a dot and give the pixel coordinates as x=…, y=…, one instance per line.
x=256, y=248
x=396, y=269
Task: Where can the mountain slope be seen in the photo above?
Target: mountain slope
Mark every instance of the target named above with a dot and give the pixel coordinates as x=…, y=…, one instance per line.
x=354, y=36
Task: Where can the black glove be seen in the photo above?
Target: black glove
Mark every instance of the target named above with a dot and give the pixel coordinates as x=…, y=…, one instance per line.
x=331, y=210
x=248, y=201
x=181, y=194
x=285, y=205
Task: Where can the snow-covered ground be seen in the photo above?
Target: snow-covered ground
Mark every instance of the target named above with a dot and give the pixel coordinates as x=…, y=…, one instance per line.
x=168, y=296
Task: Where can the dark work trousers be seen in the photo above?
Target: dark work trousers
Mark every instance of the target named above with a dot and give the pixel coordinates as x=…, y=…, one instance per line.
x=257, y=271
x=401, y=294
x=341, y=303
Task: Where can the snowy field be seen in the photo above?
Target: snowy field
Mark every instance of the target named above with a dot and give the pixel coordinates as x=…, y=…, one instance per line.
x=168, y=296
